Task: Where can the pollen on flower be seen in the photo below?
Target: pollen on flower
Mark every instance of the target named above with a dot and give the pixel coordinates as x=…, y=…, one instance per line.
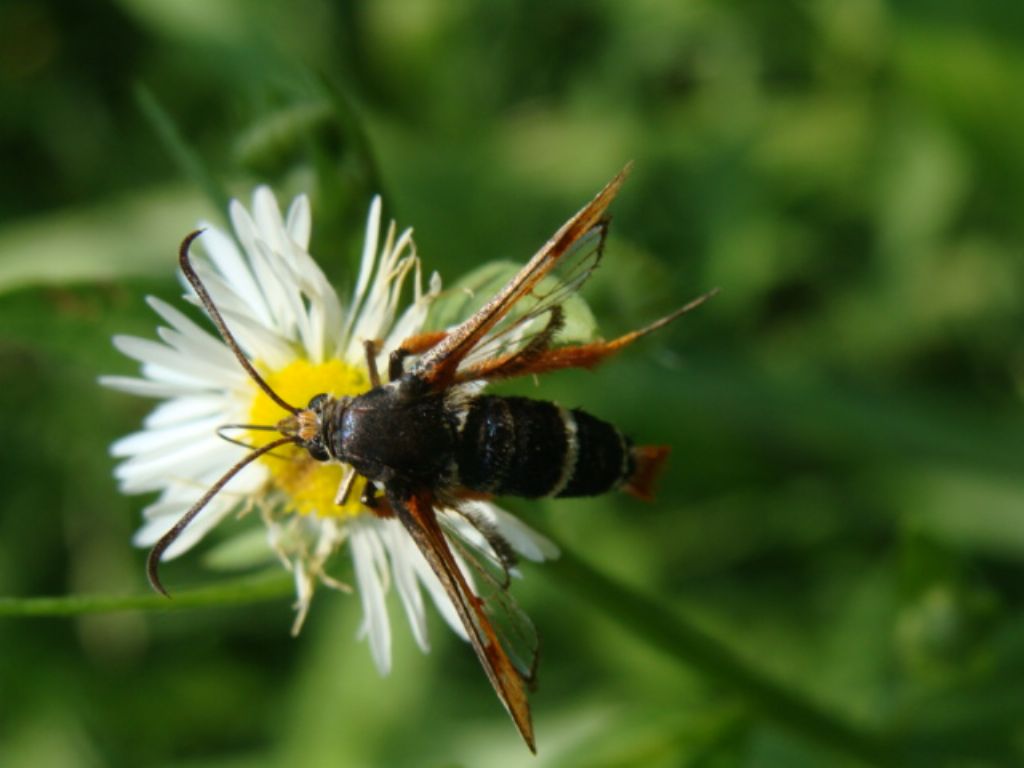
x=309, y=487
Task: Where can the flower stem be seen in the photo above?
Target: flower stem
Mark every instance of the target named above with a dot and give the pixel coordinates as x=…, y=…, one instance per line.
x=248, y=590
x=663, y=627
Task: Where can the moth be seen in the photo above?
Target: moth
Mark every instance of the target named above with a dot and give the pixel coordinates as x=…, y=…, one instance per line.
x=427, y=437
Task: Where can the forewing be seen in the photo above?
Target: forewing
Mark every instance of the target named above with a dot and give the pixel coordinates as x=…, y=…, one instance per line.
x=438, y=366
x=417, y=514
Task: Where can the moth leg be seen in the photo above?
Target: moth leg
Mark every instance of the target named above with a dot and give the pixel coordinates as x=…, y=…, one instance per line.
x=345, y=489
x=576, y=356
x=370, y=498
x=372, y=347
x=414, y=345
x=396, y=363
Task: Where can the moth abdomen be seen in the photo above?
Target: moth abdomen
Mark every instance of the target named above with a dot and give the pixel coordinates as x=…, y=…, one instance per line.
x=515, y=446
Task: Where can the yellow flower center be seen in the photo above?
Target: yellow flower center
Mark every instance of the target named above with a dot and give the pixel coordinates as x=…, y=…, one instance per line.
x=308, y=486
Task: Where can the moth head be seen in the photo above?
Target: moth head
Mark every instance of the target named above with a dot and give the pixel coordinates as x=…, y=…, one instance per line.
x=307, y=425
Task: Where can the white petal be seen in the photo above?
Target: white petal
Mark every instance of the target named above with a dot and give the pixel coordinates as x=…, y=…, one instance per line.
x=152, y=530
x=433, y=586
x=305, y=585
x=244, y=226
x=378, y=312
x=183, y=324
x=273, y=288
x=365, y=545
x=162, y=515
x=184, y=409
x=150, y=440
x=250, y=235
x=299, y=221
x=146, y=388
x=151, y=471
x=326, y=319
x=164, y=375
x=224, y=254
x=523, y=539
x=293, y=310
x=217, y=364
x=226, y=296
x=178, y=497
x=260, y=342
x=201, y=370
x=267, y=215
x=366, y=264
x=411, y=321
x=406, y=584
x=258, y=339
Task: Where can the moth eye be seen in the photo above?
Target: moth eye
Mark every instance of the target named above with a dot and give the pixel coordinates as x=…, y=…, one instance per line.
x=317, y=401
x=317, y=449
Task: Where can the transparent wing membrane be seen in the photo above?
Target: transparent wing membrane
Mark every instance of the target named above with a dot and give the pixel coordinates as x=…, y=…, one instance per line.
x=529, y=318
x=491, y=562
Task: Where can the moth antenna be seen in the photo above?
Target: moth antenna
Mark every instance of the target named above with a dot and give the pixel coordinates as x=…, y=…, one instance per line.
x=235, y=441
x=247, y=427
x=204, y=296
x=153, y=560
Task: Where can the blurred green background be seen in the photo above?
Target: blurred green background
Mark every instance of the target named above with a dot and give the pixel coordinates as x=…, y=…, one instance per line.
x=845, y=503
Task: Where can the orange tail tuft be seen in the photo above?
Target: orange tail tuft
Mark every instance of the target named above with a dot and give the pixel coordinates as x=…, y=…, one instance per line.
x=650, y=460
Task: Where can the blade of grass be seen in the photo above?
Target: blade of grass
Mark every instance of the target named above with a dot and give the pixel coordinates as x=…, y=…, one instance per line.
x=187, y=159
x=266, y=586
x=353, y=124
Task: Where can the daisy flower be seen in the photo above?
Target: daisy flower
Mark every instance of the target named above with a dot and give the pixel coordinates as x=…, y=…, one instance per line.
x=304, y=340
